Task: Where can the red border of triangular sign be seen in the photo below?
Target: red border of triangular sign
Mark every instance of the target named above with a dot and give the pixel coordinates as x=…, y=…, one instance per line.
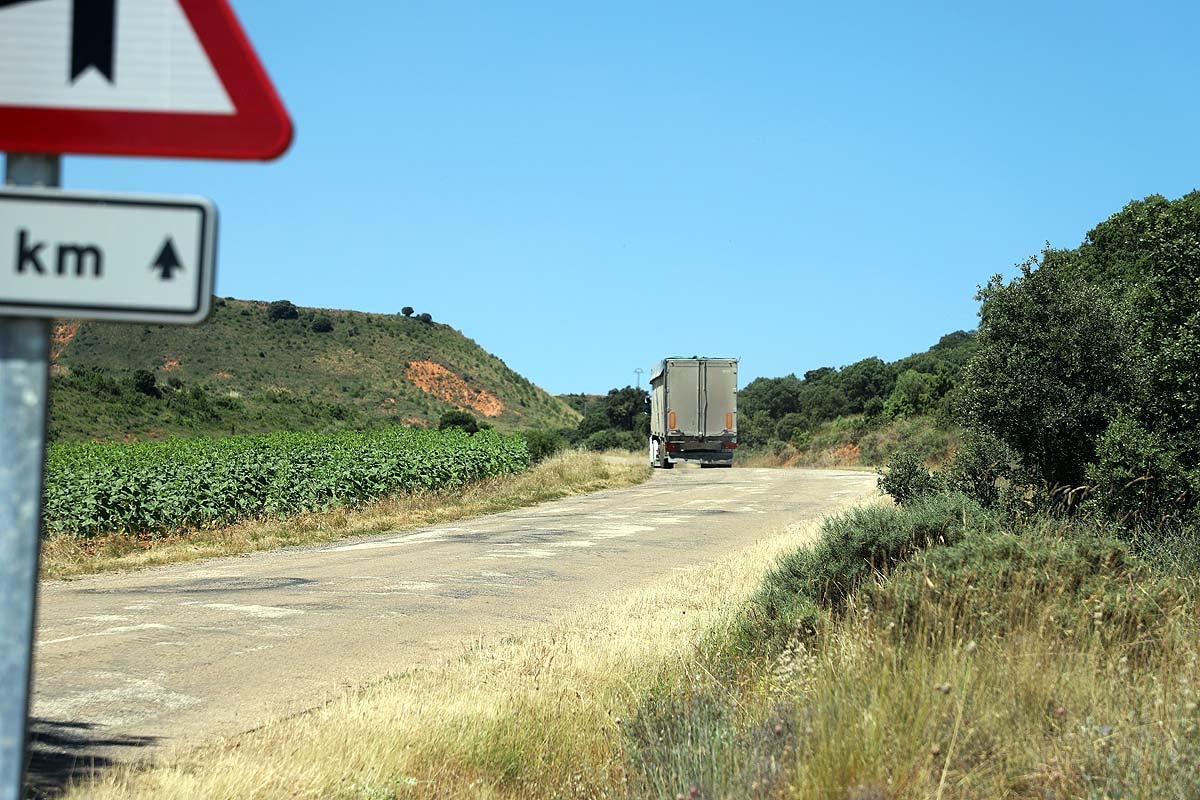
x=259, y=129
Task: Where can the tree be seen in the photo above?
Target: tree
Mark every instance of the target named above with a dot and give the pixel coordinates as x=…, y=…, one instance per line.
x=407, y=311
x=915, y=393
x=426, y=318
x=458, y=419
x=282, y=309
x=1051, y=368
x=863, y=381
x=145, y=383
x=322, y=324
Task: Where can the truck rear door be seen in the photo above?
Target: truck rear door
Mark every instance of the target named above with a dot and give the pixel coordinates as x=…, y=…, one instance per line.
x=683, y=397
x=718, y=382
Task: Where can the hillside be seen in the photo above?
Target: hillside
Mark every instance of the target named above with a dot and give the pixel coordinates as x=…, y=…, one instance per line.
x=243, y=372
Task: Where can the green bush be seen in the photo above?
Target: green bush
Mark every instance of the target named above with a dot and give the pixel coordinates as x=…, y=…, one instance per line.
x=542, y=444
x=282, y=309
x=321, y=324
x=610, y=439
x=906, y=479
x=145, y=383
x=923, y=436
x=852, y=548
x=983, y=466
x=458, y=419
x=1077, y=578
x=1136, y=478
x=1050, y=370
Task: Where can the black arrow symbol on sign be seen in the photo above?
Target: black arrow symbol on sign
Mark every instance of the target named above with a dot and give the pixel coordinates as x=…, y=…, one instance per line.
x=167, y=261
x=93, y=35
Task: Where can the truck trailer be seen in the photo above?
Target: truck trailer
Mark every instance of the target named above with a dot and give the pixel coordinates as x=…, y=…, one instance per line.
x=693, y=412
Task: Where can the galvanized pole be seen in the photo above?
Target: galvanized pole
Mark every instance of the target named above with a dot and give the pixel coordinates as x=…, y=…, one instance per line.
x=24, y=372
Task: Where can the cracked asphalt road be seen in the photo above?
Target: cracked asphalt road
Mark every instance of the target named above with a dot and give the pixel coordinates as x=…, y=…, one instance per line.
x=129, y=662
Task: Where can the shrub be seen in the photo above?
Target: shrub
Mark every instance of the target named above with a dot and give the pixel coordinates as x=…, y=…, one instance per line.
x=985, y=586
x=929, y=441
x=1050, y=369
x=610, y=439
x=322, y=324
x=542, y=444
x=1137, y=479
x=458, y=419
x=853, y=547
x=282, y=309
x=791, y=428
x=145, y=383
x=981, y=465
x=906, y=479
x=426, y=318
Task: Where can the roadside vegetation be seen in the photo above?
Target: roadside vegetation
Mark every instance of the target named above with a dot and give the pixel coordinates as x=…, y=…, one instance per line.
x=914, y=652
x=65, y=555
x=1023, y=621
x=152, y=488
x=859, y=415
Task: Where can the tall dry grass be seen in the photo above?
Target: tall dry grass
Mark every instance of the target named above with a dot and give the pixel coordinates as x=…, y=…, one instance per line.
x=1031, y=666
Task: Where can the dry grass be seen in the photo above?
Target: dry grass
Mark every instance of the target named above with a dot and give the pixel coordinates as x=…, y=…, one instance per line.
x=1021, y=685
x=541, y=716
x=561, y=476
x=926, y=715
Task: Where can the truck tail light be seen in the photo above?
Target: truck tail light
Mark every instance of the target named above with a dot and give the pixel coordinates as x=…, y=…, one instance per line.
x=671, y=420
x=673, y=447
x=731, y=445
x=728, y=420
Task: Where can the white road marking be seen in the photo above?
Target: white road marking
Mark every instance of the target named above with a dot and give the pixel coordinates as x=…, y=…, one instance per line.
x=110, y=632
x=531, y=552
x=413, y=538
x=258, y=612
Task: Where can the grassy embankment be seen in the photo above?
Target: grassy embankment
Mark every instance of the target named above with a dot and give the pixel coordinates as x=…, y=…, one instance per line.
x=850, y=443
x=563, y=475
x=926, y=652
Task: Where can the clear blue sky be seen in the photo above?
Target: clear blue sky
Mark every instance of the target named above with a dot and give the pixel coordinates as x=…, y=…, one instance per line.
x=585, y=188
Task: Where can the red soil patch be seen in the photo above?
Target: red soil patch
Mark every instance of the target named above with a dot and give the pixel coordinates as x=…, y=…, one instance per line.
x=60, y=337
x=223, y=375
x=434, y=379
x=847, y=455
x=415, y=422
x=170, y=365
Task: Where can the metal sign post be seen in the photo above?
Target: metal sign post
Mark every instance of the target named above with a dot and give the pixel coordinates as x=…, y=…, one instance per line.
x=24, y=372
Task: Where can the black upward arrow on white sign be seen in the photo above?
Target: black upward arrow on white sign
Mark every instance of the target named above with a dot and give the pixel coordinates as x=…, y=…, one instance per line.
x=168, y=261
x=93, y=36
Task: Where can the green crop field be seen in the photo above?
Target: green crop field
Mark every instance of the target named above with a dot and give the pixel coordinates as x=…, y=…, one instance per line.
x=151, y=487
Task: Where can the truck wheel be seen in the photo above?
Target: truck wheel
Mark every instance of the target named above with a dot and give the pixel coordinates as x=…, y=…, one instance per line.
x=667, y=464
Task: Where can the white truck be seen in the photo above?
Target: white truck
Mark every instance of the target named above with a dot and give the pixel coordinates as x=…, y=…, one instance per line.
x=693, y=412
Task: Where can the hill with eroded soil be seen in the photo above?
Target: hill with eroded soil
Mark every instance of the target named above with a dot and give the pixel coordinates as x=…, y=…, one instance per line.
x=246, y=372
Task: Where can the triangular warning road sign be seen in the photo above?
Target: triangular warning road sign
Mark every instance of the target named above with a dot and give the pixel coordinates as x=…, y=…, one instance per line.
x=134, y=77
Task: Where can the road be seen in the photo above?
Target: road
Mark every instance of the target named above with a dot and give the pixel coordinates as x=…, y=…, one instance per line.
x=127, y=663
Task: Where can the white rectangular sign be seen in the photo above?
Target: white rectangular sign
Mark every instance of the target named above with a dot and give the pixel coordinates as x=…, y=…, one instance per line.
x=128, y=258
